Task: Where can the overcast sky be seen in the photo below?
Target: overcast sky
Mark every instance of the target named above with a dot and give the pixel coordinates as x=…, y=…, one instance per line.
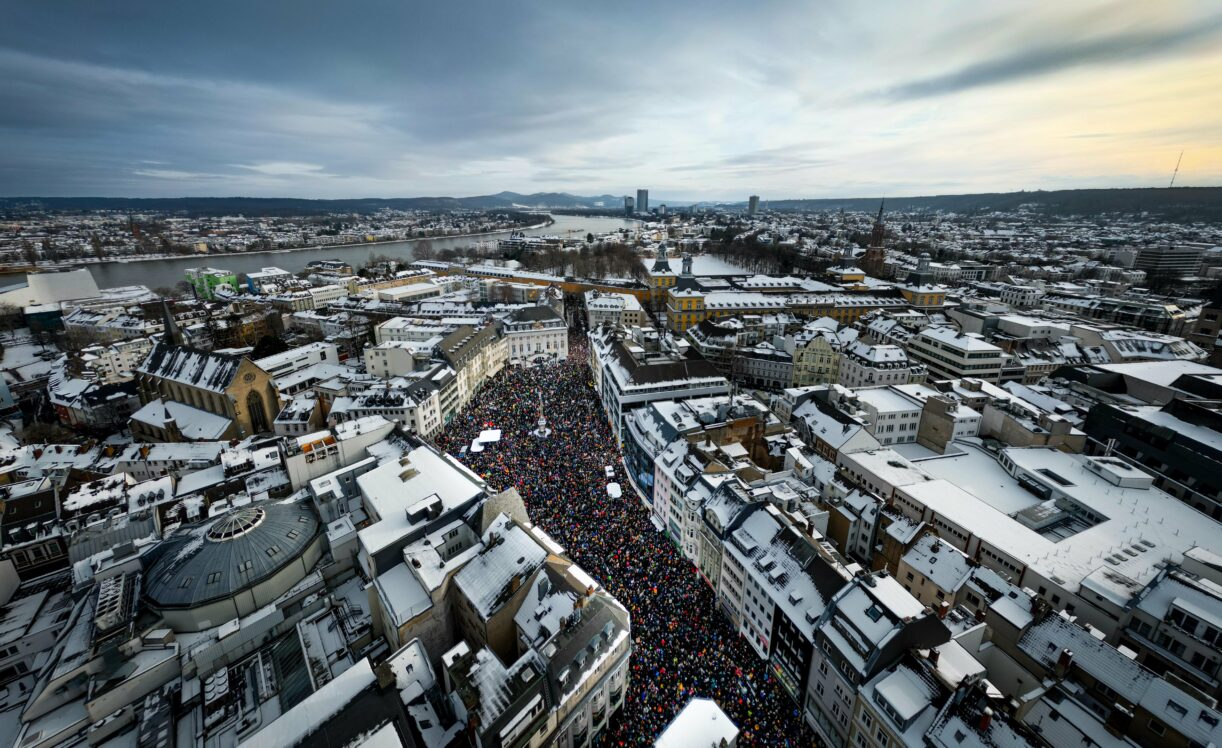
x=694, y=100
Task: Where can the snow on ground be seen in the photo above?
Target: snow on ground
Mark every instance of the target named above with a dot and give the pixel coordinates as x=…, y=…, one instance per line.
x=25, y=359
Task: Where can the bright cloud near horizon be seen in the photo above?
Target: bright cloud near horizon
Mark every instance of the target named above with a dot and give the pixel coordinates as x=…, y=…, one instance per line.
x=695, y=100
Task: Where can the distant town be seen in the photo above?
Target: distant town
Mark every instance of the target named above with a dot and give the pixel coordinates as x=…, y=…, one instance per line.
x=36, y=238
x=654, y=474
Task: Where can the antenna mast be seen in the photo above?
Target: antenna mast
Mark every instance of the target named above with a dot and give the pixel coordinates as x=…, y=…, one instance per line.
x=1177, y=169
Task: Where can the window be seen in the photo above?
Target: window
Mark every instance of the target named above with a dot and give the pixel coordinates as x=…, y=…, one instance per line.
x=214, y=577
x=1157, y=727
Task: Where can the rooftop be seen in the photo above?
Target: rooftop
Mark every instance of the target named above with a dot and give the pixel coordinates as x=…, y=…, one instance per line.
x=400, y=494
x=1134, y=527
x=217, y=558
x=700, y=724
x=509, y=556
x=195, y=368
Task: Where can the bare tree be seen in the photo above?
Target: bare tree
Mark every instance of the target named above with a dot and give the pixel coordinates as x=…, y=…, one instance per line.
x=423, y=250
x=10, y=317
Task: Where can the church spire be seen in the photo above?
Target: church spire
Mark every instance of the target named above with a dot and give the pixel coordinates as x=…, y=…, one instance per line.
x=172, y=335
x=875, y=259
x=879, y=233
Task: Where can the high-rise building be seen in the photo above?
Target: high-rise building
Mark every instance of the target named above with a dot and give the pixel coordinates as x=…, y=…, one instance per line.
x=642, y=201
x=1169, y=262
x=629, y=205
x=753, y=204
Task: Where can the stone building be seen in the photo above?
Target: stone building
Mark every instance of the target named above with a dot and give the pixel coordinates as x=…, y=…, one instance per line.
x=194, y=395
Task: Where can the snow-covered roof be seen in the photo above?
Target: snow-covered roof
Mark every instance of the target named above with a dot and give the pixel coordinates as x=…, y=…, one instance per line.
x=906, y=692
x=886, y=400
x=878, y=353
x=542, y=612
x=938, y=561
x=194, y=424
x=700, y=724
x=192, y=367
x=1044, y=641
x=509, y=554
x=952, y=337
x=400, y=493
x=291, y=727
x=1161, y=373
x=402, y=596
x=1115, y=556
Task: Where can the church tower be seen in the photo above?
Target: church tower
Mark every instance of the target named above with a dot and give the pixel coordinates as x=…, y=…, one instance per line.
x=661, y=279
x=875, y=259
x=660, y=263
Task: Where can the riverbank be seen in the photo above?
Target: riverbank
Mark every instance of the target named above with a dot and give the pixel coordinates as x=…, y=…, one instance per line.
x=93, y=261
x=532, y=227
x=167, y=271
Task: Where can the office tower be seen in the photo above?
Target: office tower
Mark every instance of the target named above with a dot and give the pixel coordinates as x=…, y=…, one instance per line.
x=753, y=204
x=642, y=201
x=1168, y=262
x=629, y=205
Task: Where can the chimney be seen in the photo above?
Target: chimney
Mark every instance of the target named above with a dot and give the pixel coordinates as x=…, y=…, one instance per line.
x=1064, y=661
x=986, y=719
x=943, y=609
x=933, y=656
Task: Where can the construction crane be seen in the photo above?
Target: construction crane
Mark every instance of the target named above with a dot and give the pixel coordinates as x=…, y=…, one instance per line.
x=1177, y=169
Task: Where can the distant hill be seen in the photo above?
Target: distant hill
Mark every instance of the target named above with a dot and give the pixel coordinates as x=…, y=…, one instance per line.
x=287, y=206
x=1183, y=204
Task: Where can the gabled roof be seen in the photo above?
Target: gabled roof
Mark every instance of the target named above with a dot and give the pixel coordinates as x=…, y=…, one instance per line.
x=192, y=367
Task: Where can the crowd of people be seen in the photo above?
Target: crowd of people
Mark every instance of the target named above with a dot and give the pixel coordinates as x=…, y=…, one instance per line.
x=684, y=647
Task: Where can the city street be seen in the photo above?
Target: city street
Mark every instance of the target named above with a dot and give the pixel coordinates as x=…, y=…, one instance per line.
x=683, y=646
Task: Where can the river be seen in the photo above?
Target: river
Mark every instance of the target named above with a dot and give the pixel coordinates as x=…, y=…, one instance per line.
x=167, y=272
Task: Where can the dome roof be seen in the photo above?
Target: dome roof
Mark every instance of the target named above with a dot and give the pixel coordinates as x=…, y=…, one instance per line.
x=217, y=558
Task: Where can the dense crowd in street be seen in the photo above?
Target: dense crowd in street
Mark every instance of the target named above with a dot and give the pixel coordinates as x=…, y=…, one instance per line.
x=683, y=646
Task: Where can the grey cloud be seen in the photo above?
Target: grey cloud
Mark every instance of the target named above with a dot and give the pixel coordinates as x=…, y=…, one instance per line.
x=1046, y=58
x=318, y=98
x=763, y=161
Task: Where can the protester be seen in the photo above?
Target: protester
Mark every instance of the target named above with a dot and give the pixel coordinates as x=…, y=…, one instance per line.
x=683, y=646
